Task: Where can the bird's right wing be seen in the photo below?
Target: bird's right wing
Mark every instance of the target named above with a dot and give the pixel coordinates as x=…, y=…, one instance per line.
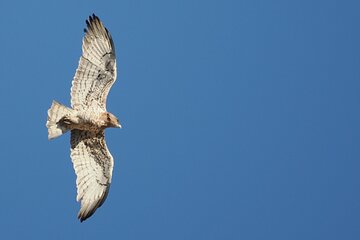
x=93, y=166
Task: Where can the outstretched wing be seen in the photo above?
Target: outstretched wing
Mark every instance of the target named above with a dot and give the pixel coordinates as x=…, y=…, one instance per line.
x=93, y=166
x=96, y=72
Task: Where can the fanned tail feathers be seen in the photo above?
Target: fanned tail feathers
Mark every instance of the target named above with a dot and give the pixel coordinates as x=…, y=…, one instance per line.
x=55, y=127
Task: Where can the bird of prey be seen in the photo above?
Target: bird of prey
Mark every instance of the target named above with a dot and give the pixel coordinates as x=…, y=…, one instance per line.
x=87, y=118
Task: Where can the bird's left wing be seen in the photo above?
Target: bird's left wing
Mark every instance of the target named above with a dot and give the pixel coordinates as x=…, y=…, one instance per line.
x=96, y=72
x=93, y=166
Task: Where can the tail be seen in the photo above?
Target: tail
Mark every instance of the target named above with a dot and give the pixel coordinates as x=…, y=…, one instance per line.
x=55, y=127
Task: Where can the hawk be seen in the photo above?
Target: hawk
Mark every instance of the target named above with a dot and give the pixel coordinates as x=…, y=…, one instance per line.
x=87, y=118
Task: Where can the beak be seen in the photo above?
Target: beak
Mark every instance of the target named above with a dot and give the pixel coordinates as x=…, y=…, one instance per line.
x=118, y=125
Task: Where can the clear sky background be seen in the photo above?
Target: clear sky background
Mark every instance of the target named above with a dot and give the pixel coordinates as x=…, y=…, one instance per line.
x=240, y=120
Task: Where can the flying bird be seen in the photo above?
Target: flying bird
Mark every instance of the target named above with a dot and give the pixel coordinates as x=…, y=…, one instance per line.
x=87, y=118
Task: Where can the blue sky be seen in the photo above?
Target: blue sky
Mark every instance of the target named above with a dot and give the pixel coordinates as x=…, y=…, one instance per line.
x=240, y=120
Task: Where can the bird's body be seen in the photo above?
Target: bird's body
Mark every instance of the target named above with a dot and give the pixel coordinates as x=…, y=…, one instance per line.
x=88, y=117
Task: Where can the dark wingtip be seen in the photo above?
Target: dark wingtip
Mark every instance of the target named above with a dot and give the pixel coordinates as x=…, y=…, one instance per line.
x=82, y=216
x=82, y=219
x=90, y=21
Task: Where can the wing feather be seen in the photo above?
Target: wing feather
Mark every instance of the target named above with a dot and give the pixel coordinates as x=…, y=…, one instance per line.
x=96, y=72
x=93, y=166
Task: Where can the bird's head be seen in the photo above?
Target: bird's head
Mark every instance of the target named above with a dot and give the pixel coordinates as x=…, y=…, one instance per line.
x=110, y=120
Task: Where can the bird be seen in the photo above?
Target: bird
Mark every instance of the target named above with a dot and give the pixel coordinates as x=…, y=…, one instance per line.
x=88, y=118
